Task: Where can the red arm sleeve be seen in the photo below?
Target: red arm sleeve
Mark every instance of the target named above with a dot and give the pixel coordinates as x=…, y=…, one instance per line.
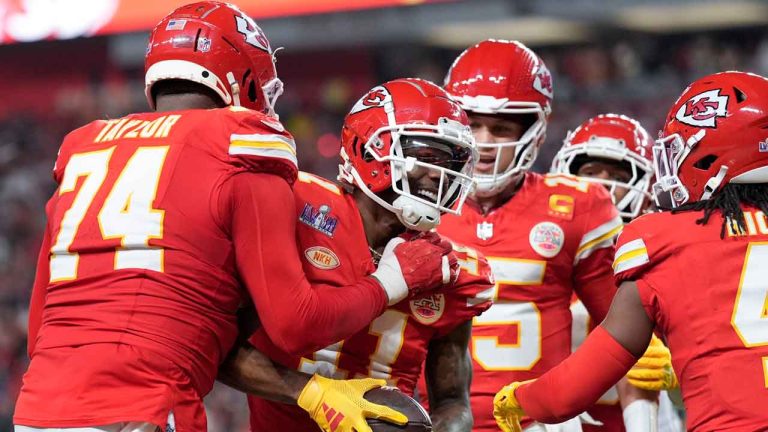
x=298, y=317
x=578, y=382
x=37, y=301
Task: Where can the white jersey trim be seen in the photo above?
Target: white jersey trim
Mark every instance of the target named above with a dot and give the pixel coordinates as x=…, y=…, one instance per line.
x=266, y=145
x=601, y=237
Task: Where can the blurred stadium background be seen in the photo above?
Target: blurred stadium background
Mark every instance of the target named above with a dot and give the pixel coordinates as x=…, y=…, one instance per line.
x=67, y=62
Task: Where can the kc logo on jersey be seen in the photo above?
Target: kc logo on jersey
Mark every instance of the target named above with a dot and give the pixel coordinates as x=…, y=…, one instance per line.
x=322, y=258
x=319, y=218
x=703, y=109
x=429, y=309
x=547, y=239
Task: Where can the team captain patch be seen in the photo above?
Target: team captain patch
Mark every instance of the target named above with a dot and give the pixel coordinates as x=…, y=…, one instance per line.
x=322, y=258
x=428, y=309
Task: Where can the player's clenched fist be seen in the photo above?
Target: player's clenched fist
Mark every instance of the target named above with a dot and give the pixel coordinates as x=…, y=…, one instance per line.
x=506, y=408
x=410, y=267
x=339, y=405
x=653, y=371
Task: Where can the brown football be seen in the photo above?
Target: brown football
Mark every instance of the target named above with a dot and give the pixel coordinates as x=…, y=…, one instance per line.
x=418, y=419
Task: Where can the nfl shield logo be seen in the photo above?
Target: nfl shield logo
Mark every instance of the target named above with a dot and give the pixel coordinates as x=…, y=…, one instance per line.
x=484, y=230
x=203, y=44
x=762, y=146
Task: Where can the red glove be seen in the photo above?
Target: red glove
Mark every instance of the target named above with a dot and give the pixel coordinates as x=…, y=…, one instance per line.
x=408, y=268
x=453, y=263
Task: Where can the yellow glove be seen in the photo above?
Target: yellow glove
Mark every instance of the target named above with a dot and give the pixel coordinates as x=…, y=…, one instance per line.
x=653, y=371
x=339, y=406
x=506, y=409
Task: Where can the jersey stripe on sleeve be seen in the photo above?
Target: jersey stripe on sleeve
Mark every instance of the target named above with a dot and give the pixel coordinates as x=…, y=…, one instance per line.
x=630, y=255
x=601, y=237
x=266, y=145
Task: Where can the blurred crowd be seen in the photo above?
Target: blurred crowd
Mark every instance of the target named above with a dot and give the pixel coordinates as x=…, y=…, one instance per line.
x=637, y=76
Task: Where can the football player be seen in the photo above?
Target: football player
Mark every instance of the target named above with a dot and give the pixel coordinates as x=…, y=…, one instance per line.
x=694, y=272
x=407, y=156
x=545, y=237
x=160, y=224
x=615, y=151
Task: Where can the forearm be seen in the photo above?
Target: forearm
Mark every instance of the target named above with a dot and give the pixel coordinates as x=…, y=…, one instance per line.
x=298, y=316
x=448, y=375
x=629, y=393
x=452, y=416
x=311, y=318
x=576, y=383
x=248, y=370
x=640, y=408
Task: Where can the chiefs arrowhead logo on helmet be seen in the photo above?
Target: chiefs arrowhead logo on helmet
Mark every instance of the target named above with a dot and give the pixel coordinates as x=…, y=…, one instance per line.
x=703, y=109
x=254, y=35
x=377, y=97
x=542, y=81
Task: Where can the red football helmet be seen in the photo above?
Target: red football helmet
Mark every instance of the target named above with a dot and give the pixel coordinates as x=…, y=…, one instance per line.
x=614, y=137
x=216, y=45
x=716, y=133
x=503, y=77
x=395, y=130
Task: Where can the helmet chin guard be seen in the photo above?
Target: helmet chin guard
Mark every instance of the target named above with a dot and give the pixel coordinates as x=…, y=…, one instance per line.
x=415, y=214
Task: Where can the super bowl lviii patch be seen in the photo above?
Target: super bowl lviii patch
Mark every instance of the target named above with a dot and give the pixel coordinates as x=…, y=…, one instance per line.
x=319, y=218
x=547, y=239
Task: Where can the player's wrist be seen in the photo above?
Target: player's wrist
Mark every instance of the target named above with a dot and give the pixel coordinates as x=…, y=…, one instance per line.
x=390, y=277
x=641, y=416
x=311, y=394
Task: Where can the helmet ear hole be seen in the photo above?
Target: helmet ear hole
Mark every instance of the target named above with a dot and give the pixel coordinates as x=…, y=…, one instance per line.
x=252, y=91
x=706, y=162
x=740, y=95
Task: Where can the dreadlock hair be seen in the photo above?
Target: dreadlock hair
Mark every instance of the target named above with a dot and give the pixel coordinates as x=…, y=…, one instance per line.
x=728, y=202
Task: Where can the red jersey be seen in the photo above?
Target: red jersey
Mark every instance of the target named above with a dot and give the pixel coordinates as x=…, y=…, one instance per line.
x=140, y=253
x=394, y=345
x=553, y=238
x=607, y=410
x=708, y=296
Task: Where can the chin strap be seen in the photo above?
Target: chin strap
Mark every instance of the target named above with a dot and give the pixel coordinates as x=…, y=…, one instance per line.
x=713, y=183
x=235, y=88
x=415, y=214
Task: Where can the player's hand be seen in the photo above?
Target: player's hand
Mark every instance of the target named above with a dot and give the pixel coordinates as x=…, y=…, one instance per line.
x=339, y=406
x=408, y=268
x=653, y=371
x=506, y=408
